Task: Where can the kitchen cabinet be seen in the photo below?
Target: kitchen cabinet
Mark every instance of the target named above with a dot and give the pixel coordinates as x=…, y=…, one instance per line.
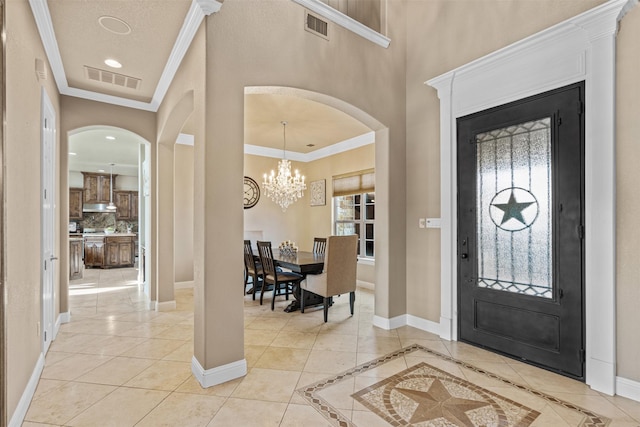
x=76, y=268
x=94, y=251
x=126, y=204
x=75, y=203
x=119, y=251
x=97, y=187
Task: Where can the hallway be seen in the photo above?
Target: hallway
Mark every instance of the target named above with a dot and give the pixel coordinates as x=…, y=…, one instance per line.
x=118, y=364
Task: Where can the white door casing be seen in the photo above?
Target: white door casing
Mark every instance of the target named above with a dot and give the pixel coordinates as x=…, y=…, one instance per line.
x=48, y=258
x=579, y=49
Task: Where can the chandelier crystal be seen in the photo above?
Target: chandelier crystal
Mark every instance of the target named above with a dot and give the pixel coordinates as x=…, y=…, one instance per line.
x=284, y=188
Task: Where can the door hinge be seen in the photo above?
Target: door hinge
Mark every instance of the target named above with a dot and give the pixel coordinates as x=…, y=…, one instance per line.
x=583, y=355
x=559, y=118
x=560, y=293
x=580, y=108
x=45, y=336
x=45, y=264
x=580, y=231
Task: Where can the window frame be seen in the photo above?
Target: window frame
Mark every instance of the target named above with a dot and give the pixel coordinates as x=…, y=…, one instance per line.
x=362, y=222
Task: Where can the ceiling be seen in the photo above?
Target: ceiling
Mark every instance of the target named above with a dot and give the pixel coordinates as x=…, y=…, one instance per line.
x=149, y=38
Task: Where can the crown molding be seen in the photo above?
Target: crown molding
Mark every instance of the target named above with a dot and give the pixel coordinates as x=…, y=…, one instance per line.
x=340, y=147
x=197, y=12
x=345, y=21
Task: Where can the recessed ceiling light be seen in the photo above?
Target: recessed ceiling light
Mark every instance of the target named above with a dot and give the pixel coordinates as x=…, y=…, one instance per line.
x=112, y=63
x=110, y=138
x=72, y=154
x=100, y=170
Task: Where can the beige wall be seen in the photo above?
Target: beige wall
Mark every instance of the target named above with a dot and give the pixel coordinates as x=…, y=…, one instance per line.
x=183, y=213
x=278, y=52
x=628, y=196
x=22, y=198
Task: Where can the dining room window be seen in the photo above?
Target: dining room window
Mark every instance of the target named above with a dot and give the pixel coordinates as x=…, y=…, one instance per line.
x=354, y=209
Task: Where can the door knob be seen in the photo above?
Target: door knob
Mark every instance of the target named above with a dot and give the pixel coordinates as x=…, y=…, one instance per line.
x=53, y=258
x=464, y=256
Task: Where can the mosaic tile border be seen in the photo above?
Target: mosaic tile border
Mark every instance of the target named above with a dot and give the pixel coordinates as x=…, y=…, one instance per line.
x=336, y=418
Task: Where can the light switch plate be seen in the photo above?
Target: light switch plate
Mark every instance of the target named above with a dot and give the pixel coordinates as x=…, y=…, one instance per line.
x=433, y=222
x=422, y=222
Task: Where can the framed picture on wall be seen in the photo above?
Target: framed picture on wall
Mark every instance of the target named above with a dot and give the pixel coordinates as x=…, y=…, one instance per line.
x=317, y=190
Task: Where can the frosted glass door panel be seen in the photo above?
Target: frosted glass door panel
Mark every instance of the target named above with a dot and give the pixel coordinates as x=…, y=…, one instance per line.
x=513, y=218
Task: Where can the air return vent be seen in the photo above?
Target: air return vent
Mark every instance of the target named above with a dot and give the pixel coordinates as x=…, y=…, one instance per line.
x=110, y=77
x=317, y=26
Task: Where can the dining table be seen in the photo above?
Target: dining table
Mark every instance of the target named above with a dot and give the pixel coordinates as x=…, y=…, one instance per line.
x=303, y=263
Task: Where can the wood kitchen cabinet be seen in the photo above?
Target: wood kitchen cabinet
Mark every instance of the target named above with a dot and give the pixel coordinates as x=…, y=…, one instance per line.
x=94, y=251
x=126, y=204
x=119, y=251
x=97, y=187
x=76, y=267
x=75, y=203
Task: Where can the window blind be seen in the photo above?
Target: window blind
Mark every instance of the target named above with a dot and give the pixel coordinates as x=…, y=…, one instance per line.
x=354, y=183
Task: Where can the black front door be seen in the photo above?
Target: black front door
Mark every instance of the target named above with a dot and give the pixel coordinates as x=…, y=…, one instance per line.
x=520, y=230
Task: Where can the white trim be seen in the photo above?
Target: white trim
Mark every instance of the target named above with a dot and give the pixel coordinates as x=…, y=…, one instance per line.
x=27, y=394
x=197, y=12
x=388, y=324
x=337, y=148
x=184, y=285
x=581, y=48
x=628, y=388
x=219, y=374
x=366, y=285
x=185, y=139
x=166, y=305
x=424, y=324
x=345, y=21
x=64, y=317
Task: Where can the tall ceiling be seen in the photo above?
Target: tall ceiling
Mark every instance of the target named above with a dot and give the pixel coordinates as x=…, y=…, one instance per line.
x=149, y=39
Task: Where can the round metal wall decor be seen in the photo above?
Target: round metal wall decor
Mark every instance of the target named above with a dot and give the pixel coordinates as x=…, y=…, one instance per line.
x=251, y=192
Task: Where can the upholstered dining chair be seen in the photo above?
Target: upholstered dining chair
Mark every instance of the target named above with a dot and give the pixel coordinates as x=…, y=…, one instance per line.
x=252, y=269
x=272, y=276
x=319, y=245
x=339, y=274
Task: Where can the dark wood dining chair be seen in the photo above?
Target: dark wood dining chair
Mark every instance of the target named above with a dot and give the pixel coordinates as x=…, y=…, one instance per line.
x=281, y=280
x=319, y=245
x=339, y=274
x=252, y=269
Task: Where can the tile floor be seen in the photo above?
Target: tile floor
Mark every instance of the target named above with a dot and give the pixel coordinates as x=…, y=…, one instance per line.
x=118, y=364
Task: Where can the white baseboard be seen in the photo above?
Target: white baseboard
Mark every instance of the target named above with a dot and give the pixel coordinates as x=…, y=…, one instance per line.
x=366, y=285
x=388, y=324
x=424, y=324
x=183, y=285
x=628, y=388
x=64, y=317
x=219, y=374
x=166, y=305
x=151, y=305
x=27, y=395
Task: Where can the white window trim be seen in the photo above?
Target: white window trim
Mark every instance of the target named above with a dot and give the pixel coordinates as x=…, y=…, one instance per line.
x=581, y=48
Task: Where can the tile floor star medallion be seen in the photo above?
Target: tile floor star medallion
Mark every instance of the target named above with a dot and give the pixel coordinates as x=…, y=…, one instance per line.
x=425, y=395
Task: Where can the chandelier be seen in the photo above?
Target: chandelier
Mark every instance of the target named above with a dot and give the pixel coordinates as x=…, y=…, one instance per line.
x=285, y=188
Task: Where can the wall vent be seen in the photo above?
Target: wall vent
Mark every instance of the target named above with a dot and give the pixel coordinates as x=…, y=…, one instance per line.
x=110, y=77
x=317, y=26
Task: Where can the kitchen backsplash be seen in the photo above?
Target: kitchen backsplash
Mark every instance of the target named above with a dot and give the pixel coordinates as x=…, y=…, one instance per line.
x=105, y=220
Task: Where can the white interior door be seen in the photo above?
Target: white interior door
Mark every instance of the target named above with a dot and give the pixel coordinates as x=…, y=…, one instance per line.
x=49, y=259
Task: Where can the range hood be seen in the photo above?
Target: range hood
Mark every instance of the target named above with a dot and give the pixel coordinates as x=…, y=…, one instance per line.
x=95, y=207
